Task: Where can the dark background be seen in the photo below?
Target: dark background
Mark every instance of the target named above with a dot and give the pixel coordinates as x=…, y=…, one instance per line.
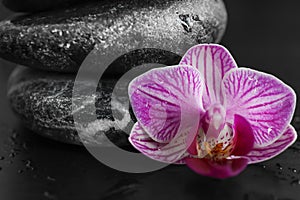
x=261, y=34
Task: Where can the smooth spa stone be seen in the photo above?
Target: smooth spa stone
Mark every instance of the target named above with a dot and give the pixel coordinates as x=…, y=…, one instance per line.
x=37, y=5
x=61, y=40
x=43, y=102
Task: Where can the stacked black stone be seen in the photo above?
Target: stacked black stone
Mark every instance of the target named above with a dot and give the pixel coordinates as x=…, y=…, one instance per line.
x=56, y=37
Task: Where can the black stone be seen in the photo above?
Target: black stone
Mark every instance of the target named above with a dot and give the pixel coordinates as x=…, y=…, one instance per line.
x=60, y=40
x=43, y=101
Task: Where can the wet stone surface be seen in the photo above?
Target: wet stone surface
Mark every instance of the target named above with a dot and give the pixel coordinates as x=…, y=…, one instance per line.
x=43, y=101
x=60, y=40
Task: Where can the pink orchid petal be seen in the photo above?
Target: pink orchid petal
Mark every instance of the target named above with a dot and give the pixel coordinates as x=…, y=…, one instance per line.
x=243, y=136
x=154, y=150
x=265, y=101
x=213, y=61
x=222, y=169
x=166, y=98
x=268, y=152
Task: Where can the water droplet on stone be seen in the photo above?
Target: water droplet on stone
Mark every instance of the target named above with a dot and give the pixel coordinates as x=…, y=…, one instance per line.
x=12, y=154
x=0, y=168
x=49, y=178
x=24, y=145
x=28, y=165
x=49, y=195
x=186, y=23
x=20, y=171
x=295, y=182
x=279, y=166
x=14, y=135
x=2, y=158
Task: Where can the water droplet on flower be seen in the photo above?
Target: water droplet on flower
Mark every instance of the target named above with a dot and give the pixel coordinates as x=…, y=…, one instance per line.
x=164, y=104
x=167, y=94
x=161, y=81
x=137, y=91
x=270, y=130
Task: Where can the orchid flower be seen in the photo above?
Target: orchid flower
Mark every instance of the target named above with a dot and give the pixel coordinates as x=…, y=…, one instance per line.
x=211, y=115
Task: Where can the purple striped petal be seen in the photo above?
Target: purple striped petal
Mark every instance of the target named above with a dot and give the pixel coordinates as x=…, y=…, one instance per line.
x=168, y=153
x=217, y=169
x=268, y=152
x=263, y=100
x=213, y=61
x=165, y=99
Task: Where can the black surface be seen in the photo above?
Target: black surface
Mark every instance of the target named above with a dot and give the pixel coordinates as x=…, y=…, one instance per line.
x=261, y=34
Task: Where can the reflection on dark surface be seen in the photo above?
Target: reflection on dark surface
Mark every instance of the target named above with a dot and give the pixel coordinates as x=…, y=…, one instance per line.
x=260, y=34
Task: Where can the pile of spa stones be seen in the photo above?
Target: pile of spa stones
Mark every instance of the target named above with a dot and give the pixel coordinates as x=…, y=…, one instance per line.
x=52, y=40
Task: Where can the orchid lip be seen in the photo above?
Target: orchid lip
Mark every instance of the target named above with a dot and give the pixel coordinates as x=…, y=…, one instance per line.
x=215, y=148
